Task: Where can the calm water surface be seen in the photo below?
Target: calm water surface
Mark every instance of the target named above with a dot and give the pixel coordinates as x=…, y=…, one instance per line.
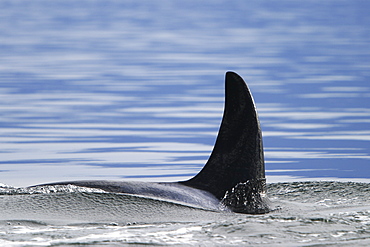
x=130, y=90
x=135, y=90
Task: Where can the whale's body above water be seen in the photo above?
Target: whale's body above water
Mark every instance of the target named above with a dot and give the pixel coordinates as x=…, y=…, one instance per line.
x=233, y=177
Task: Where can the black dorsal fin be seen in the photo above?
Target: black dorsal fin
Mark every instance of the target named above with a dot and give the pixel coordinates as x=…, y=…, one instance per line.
x=237, y=156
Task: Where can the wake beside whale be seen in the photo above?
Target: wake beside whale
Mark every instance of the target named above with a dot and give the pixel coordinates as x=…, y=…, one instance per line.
x=233, y=177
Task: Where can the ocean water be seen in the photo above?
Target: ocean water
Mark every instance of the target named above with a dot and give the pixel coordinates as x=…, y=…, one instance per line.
x=306, y=214
x=127, y=90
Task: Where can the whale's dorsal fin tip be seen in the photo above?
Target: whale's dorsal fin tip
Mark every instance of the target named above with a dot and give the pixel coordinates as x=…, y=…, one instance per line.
x=237, y=156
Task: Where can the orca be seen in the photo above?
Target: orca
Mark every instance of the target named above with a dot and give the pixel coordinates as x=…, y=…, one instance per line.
x=233, y=178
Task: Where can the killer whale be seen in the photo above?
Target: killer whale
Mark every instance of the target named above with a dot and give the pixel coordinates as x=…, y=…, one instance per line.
x=233, y=177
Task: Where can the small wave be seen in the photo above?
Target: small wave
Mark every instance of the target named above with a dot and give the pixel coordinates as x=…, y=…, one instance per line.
x=328, y=193
x=46, y=189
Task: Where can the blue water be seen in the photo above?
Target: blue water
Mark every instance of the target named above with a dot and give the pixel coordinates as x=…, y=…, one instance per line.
x=134, y=90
